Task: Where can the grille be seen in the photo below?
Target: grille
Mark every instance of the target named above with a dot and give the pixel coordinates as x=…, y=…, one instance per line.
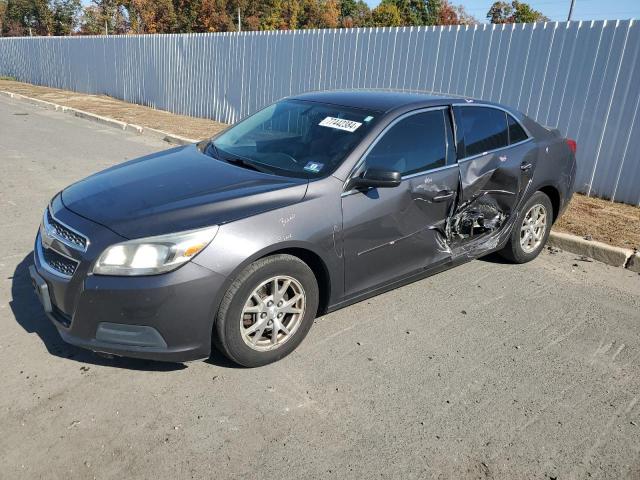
x=59, y=263
x=75, y=239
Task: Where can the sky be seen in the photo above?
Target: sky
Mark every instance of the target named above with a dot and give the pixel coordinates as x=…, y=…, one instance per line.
x=557, y=10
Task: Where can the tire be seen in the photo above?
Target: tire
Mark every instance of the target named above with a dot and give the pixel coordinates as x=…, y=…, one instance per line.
x=514, y=250
x=240, y=311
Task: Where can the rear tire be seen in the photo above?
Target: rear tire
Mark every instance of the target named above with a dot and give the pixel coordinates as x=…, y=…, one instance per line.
x=277, y=294
x=530, y=230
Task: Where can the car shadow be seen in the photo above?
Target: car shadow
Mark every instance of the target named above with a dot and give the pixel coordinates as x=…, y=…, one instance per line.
x=29, y=314
x=495, y=257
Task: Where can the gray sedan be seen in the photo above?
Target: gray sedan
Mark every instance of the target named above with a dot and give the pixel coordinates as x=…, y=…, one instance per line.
x=311, y=204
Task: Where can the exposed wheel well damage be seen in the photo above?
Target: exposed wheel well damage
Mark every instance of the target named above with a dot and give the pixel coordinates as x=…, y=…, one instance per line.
x=317, y=265
x=554, y=196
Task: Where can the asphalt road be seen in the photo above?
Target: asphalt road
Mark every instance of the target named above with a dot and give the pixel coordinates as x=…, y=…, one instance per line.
x=489, y=370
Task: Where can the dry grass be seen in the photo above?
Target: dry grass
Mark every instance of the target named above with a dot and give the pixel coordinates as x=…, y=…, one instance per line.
x=613, y=223
x=190, y=127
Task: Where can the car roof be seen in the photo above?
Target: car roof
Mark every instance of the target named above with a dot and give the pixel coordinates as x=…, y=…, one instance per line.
x=381, y=100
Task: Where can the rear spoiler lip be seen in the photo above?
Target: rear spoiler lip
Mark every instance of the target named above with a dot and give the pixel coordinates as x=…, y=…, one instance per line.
x=555, y=131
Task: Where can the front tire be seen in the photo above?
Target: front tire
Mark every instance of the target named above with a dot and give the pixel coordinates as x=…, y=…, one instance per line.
x=267, y=311
x=530, y=230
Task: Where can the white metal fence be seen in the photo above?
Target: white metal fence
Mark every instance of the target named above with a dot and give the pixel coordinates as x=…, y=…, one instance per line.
x=582, y=77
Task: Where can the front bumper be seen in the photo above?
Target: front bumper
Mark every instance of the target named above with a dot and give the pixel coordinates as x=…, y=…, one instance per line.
x=165, y=317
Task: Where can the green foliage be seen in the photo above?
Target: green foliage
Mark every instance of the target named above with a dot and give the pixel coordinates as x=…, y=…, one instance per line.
x=105, y=16
x=516, y=12
x=386, y=15
x=412, y=12
x=433, y=11
x=525, y=14
x=65, y=14
x=27, y=17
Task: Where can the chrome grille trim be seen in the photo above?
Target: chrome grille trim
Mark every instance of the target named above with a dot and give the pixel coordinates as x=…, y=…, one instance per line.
x=64, y=233
x=55, y=268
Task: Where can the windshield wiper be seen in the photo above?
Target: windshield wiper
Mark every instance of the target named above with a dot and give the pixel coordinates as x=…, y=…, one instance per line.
x=236, y=160
x=243, y=162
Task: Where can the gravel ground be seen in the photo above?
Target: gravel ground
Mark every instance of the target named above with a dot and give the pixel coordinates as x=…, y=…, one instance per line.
x=488, y=370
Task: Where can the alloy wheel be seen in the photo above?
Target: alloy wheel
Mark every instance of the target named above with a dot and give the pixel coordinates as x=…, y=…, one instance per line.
x=272, y=313
x=533, y=228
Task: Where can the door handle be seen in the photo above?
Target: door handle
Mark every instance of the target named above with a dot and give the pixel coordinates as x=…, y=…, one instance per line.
x=443, y=195
x=525, y=166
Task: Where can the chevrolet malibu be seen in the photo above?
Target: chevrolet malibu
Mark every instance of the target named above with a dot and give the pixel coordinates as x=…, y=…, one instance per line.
x=313, y=203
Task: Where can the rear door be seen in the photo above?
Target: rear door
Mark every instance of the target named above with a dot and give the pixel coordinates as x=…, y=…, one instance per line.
x=496, y=160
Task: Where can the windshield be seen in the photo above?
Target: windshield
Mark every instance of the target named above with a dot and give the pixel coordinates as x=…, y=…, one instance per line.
x=295, y=138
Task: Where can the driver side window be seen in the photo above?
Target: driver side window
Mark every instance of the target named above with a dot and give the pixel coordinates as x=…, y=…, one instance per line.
x=415, y=144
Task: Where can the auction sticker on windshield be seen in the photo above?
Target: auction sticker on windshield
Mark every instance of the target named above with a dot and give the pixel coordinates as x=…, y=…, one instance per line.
x=340, y=124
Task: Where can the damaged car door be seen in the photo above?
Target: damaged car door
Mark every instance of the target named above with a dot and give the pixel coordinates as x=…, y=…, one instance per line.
x=496, y=161
x=390, y=233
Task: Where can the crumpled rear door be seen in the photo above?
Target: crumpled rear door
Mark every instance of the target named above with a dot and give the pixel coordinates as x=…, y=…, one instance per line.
x=492, y=185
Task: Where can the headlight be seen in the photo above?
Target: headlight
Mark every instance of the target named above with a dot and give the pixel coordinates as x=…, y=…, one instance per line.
x=153, y=255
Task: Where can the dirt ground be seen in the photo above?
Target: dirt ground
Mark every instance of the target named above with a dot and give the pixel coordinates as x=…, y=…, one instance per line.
x=612, y=223
x=602, y=220
x=182, y=125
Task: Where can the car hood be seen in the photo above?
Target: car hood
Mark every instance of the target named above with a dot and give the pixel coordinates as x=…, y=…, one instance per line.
x=175, y=190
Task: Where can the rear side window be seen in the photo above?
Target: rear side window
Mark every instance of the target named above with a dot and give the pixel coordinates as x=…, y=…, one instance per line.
x=516, y=133
x=414, y=144
x=484, y=129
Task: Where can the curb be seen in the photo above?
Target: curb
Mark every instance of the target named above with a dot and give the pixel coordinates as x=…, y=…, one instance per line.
x=110, y=122
x=614, y=256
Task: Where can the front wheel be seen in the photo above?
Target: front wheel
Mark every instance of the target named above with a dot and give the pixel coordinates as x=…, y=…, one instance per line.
x=267, y=311
x=530, y=231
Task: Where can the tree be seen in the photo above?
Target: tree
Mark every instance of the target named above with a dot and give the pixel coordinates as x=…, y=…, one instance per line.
x=186, y=12
x=412, y=12
x=347, y=8
x=447, y=15
x=432, y=13
x=65, y=16
x=151, y=16
x=516, y=12
x=330, y=16
x=361, y=17
x=273, y=18
x=465, y=18
x=386, y=15
x=523, y=13
x=3, y=10
x=27, y=17
x=214, y=17
x=111, y=15
x=500, y=12
x=310, y=14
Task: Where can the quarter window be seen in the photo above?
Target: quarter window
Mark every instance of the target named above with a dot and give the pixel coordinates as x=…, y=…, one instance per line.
x=484, y=129
x=516, y=133
x=414, y=144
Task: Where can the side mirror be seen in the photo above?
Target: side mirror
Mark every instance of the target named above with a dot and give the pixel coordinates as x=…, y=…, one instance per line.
x=376, y=178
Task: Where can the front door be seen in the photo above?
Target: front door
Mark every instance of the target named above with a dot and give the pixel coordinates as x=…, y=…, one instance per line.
x=392, y=232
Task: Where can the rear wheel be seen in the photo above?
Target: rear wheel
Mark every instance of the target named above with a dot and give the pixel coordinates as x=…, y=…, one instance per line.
x=267, y=311
x=530, y=231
